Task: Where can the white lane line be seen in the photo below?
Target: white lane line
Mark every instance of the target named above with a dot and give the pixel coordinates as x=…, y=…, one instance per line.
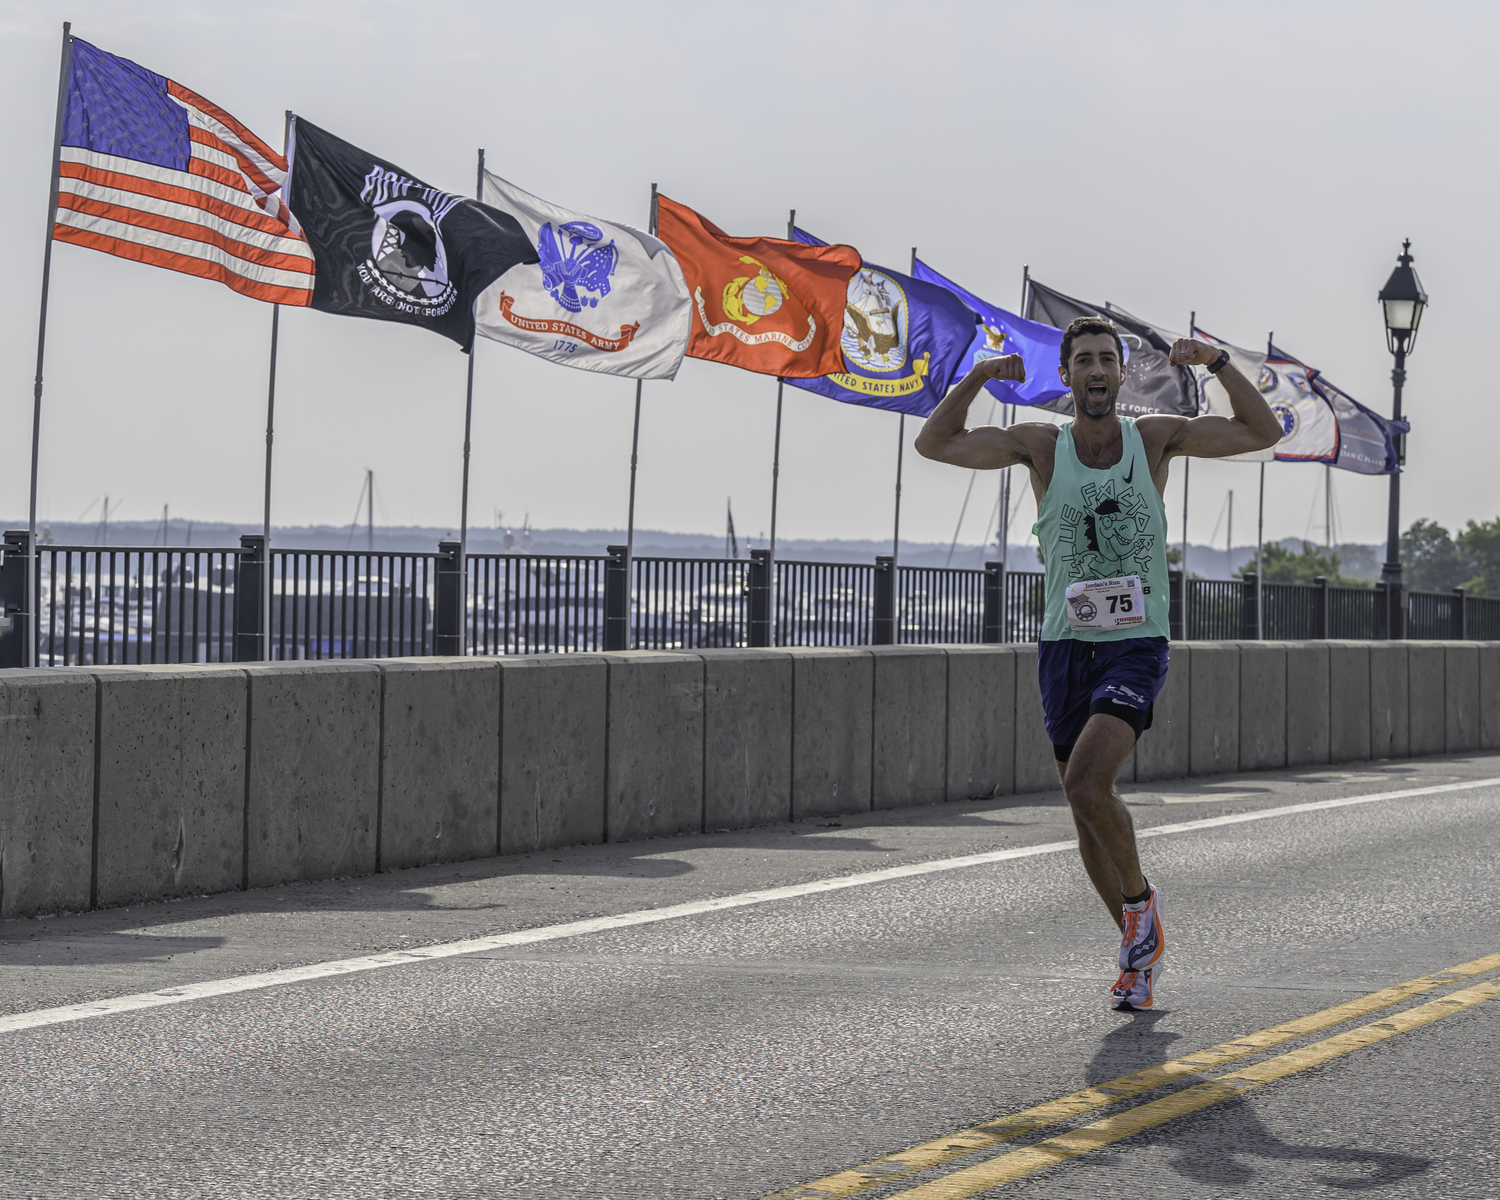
x=648, y=916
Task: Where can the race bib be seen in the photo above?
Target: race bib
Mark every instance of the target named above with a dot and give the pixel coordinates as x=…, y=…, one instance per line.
x=1106, y=603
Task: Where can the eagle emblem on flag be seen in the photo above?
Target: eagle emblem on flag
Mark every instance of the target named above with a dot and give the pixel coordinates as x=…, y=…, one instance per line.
x=575, y=260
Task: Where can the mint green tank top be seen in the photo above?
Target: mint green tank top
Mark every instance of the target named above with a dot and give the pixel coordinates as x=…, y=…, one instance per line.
x=1099, y=525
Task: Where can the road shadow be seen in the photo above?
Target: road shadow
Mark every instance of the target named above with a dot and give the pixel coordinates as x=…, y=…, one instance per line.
x=79, y=948
x=1135, y=1043
x=1239, y=1137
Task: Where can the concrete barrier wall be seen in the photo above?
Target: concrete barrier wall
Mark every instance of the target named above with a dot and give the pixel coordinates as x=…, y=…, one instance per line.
x=1262, y=706
x=312, y=795
x=554, y=730
x=126, y=784
x=439, y=761
x=171, y=783
x=47, y=724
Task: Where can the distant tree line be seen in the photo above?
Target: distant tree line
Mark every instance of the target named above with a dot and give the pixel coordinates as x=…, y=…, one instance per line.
x=1432, y=560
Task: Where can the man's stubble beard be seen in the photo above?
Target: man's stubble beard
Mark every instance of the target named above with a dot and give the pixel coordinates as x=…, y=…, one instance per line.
x=1083, y=407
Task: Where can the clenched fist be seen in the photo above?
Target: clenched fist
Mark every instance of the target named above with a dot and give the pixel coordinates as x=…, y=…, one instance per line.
x=1189, y=352
x=1007, y=367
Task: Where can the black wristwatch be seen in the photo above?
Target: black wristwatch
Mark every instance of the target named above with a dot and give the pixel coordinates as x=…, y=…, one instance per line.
x=1219, y=363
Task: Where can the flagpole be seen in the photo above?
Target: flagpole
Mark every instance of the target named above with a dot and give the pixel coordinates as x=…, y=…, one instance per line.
x=791, y=222
x=1260, y=565
x=463, y=512
x=265, y=621
x=33, y=571
x=900, y=448
x=635, y=445
x=265, y=585
x=1186, y=463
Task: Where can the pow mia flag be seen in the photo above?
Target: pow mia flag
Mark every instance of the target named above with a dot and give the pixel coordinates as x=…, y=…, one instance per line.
x=388, y=246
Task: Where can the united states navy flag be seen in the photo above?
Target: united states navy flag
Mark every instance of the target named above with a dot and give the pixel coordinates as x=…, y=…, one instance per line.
x=902, y=341
x=390, y=247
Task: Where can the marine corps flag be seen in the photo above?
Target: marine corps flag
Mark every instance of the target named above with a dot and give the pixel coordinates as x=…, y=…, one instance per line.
x=761, y=304
x=604, y=297
x=390, y=247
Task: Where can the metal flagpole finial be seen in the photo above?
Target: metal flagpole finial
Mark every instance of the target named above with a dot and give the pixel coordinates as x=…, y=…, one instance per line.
x=791, y=225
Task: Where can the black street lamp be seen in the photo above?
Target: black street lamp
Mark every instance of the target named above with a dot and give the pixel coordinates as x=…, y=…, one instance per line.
x=1403, y=300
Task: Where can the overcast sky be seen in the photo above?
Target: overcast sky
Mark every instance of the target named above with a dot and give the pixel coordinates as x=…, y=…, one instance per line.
x=1258, y=164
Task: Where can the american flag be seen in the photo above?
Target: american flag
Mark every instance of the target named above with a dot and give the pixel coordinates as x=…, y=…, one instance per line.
x=154, y=172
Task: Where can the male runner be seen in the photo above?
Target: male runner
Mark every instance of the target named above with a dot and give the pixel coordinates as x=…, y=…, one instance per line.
x=1102, y=528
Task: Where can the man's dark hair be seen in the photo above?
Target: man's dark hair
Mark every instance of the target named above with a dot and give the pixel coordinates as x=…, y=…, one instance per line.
x=1105, y=507
x=1080, y=326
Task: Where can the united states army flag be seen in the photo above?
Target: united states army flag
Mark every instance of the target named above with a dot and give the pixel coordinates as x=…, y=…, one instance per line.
x=604, y=297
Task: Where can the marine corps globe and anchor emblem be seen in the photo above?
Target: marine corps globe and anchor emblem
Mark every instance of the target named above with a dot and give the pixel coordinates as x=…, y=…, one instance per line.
x=747, y=299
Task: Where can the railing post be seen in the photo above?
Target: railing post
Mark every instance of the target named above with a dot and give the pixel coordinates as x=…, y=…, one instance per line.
x=1177, y=606
x=883, y=631
x=760, y=597
x=1320, y=608
x=1249, y=612
x=249, y=590
x=1460, y=633
x=448, y=620
x=616, y=600
x=15, y=604
x=1395, y=612
x=994, y=603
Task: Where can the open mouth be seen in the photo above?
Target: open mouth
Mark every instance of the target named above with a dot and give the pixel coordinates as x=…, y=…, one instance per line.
x=1098, y=391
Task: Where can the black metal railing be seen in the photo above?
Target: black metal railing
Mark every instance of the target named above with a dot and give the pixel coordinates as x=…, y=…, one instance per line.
x=824, y=604
x=1215, y=610
x=535, y=604
x=1435, y=615
x=939, y=604
x=1482, y=618
x=112, y=605
x=133, y=604
x=350, y=604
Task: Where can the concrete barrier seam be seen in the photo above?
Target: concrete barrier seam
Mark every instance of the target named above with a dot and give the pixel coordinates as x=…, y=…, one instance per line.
x=94, y=833
x=245, y=808
x=380, y=780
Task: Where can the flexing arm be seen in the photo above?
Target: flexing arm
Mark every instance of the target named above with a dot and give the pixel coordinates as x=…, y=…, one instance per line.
x=1253, y=427
x=944, y=436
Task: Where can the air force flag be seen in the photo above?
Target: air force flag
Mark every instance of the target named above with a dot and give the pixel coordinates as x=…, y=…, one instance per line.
x=604, y=297
x=1000, y=333
x=902, y=341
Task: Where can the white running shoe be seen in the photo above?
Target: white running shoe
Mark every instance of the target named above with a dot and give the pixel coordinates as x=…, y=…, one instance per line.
x=1143, y=940
x=1136, y=989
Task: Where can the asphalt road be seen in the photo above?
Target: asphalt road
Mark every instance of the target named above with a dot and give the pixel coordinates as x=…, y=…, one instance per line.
x=764, y=1045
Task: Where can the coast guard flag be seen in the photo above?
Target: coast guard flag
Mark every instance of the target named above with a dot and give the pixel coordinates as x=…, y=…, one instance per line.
x=902, y=341
x=1001, y=333
x=1152, y=384
x=390, y=247
x=1366, y=439
x=153, y=172
x=604, y=297
x=761, y=304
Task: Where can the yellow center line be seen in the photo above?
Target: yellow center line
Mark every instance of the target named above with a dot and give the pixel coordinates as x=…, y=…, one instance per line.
x=1018, y=1163
x=945, y=1149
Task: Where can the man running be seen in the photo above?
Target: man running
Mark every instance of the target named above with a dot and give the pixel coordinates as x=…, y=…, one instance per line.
x=1102, y=527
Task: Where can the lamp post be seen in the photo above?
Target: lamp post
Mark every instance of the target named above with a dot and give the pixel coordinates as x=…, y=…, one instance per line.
x=1403, y=300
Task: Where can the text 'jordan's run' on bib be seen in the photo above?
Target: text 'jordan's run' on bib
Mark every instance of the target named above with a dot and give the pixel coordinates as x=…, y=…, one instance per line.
x=1106, y=603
